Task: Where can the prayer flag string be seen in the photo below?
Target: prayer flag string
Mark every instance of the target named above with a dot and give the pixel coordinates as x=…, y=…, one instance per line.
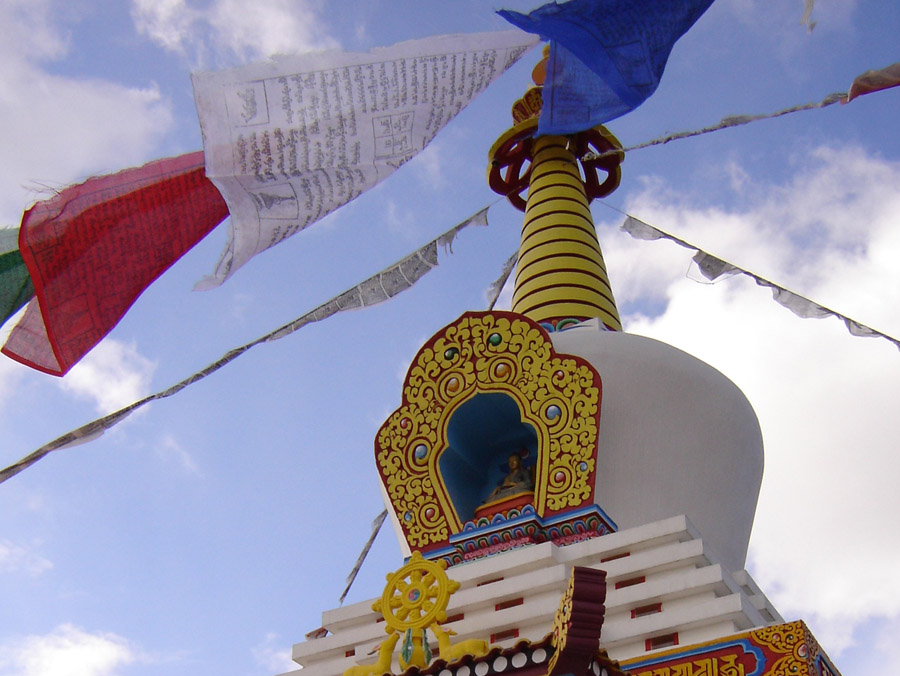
x=376, y=527
x=712, y=268
x=726, y=123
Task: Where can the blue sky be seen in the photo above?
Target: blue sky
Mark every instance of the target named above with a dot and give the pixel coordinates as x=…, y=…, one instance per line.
x=207, y=533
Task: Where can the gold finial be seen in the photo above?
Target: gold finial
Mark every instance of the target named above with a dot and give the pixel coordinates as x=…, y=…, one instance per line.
x=529, y=106
x=539, y=74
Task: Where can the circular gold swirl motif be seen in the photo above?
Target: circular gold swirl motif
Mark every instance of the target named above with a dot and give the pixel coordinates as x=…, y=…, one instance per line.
x=559, y=396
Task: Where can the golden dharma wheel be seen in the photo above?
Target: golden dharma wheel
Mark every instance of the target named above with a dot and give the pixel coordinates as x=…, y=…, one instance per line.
x=416, y=595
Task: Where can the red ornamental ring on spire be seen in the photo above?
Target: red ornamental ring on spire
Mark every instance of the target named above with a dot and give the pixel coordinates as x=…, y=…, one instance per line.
x=599, y=141
x=511, y=157
x=509, y=170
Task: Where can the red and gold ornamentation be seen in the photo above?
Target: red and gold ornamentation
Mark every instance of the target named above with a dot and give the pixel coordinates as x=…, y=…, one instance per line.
x=487, y=352
x=781, y=650
x=577, y=623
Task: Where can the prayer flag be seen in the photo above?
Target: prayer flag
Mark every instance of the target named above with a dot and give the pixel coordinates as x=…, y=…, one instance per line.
x=290, y=140
x=606, y=56
x=874, y=81
x=16, y=288
x=806, y=19
x=713, y=268
x=93, y=248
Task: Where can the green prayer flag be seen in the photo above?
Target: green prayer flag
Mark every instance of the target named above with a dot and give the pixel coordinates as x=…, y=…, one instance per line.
x=16, y=288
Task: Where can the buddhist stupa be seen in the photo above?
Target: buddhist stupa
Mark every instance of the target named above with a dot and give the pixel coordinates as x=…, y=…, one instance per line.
x=570, y=498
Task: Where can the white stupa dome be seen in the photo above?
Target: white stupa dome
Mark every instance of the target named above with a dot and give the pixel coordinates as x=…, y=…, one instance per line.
x=676, y=437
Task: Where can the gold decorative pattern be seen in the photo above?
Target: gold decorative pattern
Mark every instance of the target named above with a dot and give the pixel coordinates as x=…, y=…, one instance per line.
x=578, y=623
x=416, y=595
x=529, y=106
x=561, y=624
x=787, y=649
x=789, y=640
x=727, y=665
x=559, y=396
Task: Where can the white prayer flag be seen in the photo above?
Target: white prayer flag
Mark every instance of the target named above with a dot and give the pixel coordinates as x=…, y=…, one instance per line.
x=640, y=230
x=290, y=140
x=713, y=268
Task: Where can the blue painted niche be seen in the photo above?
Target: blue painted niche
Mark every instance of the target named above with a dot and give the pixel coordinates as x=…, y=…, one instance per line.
x=482, y=433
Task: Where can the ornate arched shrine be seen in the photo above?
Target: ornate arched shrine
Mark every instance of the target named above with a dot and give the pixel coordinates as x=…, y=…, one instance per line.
x=495, y=442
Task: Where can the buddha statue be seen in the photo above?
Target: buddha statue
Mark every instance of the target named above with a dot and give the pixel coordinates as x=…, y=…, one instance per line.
x=518, y=480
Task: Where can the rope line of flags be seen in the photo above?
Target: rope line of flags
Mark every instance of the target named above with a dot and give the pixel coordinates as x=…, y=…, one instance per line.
x=714, y=268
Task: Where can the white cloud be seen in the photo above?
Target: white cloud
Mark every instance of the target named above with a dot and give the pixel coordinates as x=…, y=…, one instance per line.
x=113, y=374
x=273, y=27
x=871, y=659
x=66, y=651
x=824, y=546
x=43, y=40
x=167, y=22
x=225, y=29
x=274, y=655
x=170, y=449
x=18, y=559
x=58, y=129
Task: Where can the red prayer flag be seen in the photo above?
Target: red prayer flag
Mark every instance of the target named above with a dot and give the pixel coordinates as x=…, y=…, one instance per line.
x=93, y=248
x=874, y=81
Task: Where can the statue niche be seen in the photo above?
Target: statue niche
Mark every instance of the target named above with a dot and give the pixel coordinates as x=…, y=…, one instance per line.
x=489, y=464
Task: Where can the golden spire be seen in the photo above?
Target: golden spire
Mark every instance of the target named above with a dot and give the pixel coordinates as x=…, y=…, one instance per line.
x=561, y=274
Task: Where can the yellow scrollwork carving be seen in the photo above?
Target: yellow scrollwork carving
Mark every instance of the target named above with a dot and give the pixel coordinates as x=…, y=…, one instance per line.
x=789, y=640
x=561, y=624
x=488, y=352
x=782, y=638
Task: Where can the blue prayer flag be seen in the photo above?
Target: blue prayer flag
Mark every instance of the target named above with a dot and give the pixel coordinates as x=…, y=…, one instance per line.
x=606, y=56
